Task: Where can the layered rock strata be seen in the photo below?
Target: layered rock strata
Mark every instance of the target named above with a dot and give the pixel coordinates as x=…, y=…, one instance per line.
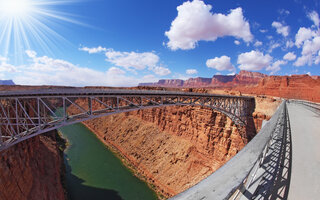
x=243, y=78
x=32, y=170
x=173, y=148
x=295, y=87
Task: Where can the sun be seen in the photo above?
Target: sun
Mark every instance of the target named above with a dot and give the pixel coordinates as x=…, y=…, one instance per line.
x=33, y=25
x=15, y=8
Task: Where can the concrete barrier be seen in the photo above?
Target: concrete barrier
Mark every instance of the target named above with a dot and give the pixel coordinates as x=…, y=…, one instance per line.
x=232, y=176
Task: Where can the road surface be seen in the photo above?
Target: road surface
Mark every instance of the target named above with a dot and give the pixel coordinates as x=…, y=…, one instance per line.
x=305, y=132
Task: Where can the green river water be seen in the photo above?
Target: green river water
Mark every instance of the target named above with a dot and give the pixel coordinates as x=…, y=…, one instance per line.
x=95, y=173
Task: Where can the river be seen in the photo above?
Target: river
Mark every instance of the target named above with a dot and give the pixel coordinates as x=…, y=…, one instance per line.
x=94, y=173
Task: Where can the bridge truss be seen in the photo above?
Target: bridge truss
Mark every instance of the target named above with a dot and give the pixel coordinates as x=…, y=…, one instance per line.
x=25, y=114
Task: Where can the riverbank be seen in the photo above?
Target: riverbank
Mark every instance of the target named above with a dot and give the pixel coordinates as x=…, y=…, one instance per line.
x=95, y=172
x=125, y=159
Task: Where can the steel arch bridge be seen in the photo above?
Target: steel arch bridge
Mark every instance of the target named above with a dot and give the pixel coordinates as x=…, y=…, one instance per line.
x=25, y=114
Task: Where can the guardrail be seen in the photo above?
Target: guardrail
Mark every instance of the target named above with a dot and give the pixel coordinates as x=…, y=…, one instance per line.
x=237, y=173
x=306, y=103
x=25, y=114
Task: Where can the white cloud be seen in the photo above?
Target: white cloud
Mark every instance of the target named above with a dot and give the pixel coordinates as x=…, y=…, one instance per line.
x=311, y=46
x=309, y=52
x=46, y=64
x=149, y=78
x=31, y=54
x=270, y=37
x=3, y=59
x=317, y=60
x=115, y=71
x=263, y=30
x=48, y=71
x=313, y=16
x=253, y=60
x=276, y=66
x=191, y=71
x=195, y=22
x=237, y=42
x=93, y=50
x=132, y=60
x=162, y=71
x=220, y=64
x=257, y=43
x=5, y=67
x=290, y=56
x=273, y=46
x=303, y=35
x=309, y=73
x=284, y=12
x=281, y=29
x=289, y=44
x=303, y=60
x=309, y=40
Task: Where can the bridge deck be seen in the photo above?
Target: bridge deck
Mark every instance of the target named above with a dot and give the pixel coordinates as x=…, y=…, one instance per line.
x=305, y=176
x=84, y=92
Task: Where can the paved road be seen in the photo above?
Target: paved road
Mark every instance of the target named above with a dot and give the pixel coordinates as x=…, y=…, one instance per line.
x=305, y=131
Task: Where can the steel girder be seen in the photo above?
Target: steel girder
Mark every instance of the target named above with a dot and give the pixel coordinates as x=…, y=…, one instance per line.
x=25, y=114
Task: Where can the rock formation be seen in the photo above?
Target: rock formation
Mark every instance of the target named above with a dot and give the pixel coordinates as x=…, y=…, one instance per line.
x=32, y=170
x=6, y=82
x=293, y=87
x=243, y=78
x=173, y=148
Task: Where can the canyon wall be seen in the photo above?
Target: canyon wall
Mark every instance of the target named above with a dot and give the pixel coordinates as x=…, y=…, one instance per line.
x=32, y=170
x=173, y=148
x=243, y=78
x=295, y=87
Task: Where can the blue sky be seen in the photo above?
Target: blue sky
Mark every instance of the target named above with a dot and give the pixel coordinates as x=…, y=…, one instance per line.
x=123, y=42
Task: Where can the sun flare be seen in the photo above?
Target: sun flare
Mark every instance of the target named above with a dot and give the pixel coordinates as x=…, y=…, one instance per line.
x=15, y=8
x=31, y=24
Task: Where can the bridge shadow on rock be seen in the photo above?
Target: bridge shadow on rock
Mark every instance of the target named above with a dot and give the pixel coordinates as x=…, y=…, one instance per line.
x=84, y=192
x=274, y=178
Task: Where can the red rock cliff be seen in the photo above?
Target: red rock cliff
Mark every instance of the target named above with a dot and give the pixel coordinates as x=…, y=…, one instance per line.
x=243, y=78
x=172, y=147
x=295, y=87
x=31, y=170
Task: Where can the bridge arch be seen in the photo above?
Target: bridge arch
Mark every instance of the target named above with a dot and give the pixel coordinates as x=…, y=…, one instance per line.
x=25, y=114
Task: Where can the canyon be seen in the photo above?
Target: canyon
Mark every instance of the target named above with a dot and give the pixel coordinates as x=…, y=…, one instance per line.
x=243, y=78
x=252, y=83
x=293, y=87
x=171, y=148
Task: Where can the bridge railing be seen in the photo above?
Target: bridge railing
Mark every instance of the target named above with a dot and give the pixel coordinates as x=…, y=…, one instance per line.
x=234, y=176
x=25, y=114
x=306, y=103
